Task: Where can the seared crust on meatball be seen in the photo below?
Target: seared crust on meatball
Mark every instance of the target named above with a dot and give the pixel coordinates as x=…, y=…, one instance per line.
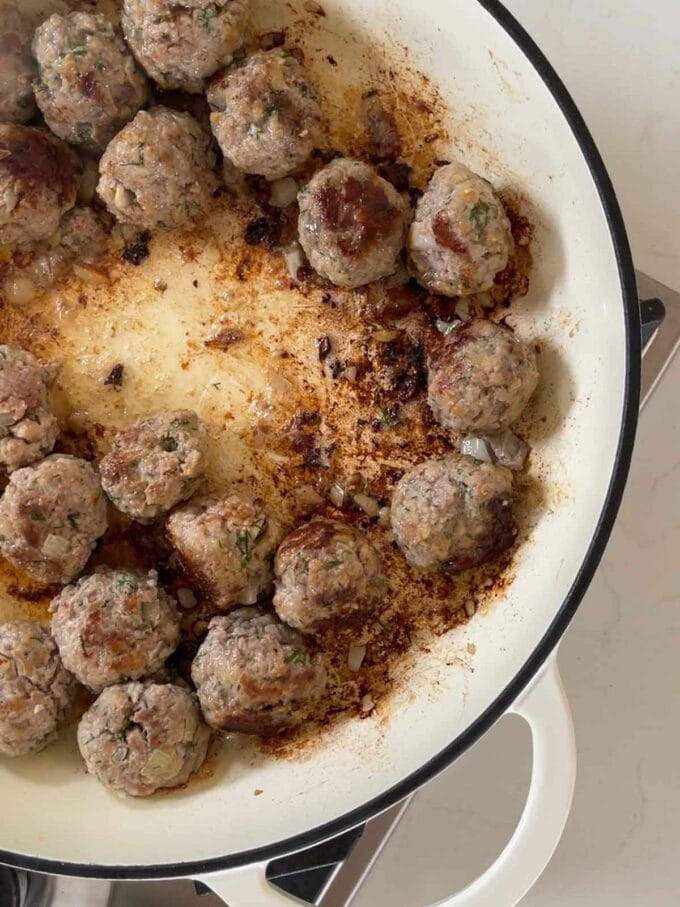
x=90, y=85
x=481, y=378
x=352, y=223
x=254, y=674
x=453, y=513
x=460, y=237
x=326, y=571
x=114, y=625
x=227, y=545
x=138, y=738
x=28, y=430
x=265, y=114
x=51, y=515
x=180, y=44
x=158, y=170
x=36, y=690
x=155, y=463
x=38, y=182
x=17, y=66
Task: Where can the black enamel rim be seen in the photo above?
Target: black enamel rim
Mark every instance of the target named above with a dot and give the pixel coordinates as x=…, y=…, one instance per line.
x=557, y=627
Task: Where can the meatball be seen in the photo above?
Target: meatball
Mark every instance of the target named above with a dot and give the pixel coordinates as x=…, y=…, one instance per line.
x=266, y=115
x=326, y=571
x=82, y=238
x=255, y=674
x=460, y=238
x=453, y=513
x=38, y=183
x=158, y=171
x=113, y=626
x=482, y=378
x=82, y=235
x=90, y=85
x=352, y=223
x=180, y=44
x=155, y=463
x=36, y=690
x=28, y=430
x=138, y=738
x=227, y=546
x=51, y=515
x=17, y=66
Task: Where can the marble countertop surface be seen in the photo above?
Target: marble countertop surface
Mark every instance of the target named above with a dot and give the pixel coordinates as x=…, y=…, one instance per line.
x=620, y=659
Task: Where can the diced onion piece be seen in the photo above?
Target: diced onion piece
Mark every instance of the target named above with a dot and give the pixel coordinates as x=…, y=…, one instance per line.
x=369, y=505
x=283, y=192
x=336, y=495
x=356, y=657
x=508, y=449
x=385, y=517
x=19, y=290
x=420, y=240
x=386, y=336
x=281, y=459
x=162, y=765
x=55, y=546
x=122, y=198
x=186, y=599
x=470, y=608
x=477, y=448
x=306, y=496
x=90, y=276
x=447, y=327
x=294, y=259
x=367, y=703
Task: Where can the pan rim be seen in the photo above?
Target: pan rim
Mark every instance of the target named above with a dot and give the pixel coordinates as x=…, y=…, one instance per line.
x=559, y=624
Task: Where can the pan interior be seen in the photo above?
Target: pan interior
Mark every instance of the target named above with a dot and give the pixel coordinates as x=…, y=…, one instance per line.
x=464, y=74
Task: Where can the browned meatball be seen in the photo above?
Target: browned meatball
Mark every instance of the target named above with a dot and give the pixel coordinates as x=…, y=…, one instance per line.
x=114, y=625
x=17, y=66
x=38, y=182
x=326, y=571
x=453, y=513
x=140, y=737
x=158, y=170
x=255, y=674
x=482, y=378
x=28, y=430
x=460, y=237
x=227, y=546
x=90, y=85
x=36, y=690
x=51, y=516
x=155, y=463
x=180, y=43
x=266, y=115
x=352, y=223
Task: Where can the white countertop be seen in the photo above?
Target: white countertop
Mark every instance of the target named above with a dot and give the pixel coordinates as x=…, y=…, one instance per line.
x=621, y=656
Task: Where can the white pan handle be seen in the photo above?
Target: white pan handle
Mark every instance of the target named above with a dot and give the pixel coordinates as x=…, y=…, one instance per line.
x=545, y=708
x=248, y=887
